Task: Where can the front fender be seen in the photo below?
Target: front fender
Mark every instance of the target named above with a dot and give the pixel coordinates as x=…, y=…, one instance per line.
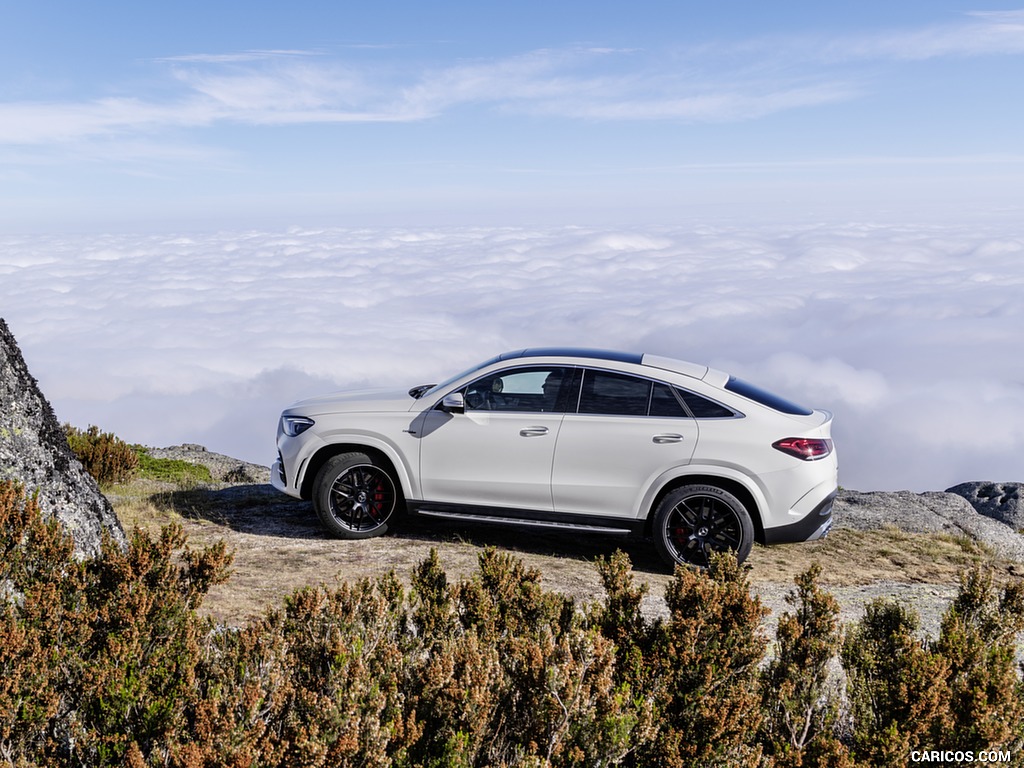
x=355, y=440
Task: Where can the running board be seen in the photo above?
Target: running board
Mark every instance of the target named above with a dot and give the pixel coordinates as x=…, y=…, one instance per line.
x=522, y=521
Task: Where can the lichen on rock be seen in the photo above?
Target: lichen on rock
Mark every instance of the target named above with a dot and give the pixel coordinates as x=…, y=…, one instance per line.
x=34, y=452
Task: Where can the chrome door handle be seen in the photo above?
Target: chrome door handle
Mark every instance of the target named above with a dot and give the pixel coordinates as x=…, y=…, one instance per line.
x=669, y=437
x=533, y=431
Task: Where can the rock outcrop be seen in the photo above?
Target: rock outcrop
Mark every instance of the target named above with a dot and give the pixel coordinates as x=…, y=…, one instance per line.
x=223, y=469
x=1000, y=501
x=34, y=452
x=925, y=513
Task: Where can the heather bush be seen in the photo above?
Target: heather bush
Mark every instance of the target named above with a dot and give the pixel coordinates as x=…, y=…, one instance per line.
x=103, y=455
x=977, y=639
x=697, y=672
x=895, y=683
x=34, y=555
x=98, y=656
x=513, y=675
x=799, y=702
x=707, y=655
x=911, y=693
x=107, y=661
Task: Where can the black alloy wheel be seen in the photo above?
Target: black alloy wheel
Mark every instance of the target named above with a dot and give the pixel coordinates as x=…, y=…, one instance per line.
x=355, y=497
x=695, y=520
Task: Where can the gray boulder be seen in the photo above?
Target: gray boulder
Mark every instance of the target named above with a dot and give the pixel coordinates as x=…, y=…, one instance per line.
x=34, y=452
x=1000, y=501
x=925, y=513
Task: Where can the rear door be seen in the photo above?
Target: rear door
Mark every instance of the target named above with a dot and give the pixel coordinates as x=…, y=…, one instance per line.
x=625, y=432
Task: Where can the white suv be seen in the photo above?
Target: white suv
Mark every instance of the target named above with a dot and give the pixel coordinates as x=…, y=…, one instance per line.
x=579, y=439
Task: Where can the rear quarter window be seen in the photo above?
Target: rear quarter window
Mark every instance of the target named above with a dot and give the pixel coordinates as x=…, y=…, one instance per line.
x=764, y=397
x=702, y=408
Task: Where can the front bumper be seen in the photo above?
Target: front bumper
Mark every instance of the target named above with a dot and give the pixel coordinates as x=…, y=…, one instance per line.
x=279, y=480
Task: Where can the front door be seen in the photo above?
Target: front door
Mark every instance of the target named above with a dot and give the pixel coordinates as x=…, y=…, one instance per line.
x=499, y=452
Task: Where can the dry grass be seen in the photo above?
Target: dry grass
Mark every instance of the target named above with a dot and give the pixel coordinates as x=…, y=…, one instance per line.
x=279, y=547
x=851, y=557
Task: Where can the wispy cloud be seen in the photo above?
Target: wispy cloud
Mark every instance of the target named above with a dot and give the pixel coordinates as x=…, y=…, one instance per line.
x=264, y=88
x=703, y=84
x=234, y=58
x=977, y=34
x=57, y=122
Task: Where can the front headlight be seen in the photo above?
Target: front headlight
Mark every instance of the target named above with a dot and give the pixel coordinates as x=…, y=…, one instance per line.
x=293, y=426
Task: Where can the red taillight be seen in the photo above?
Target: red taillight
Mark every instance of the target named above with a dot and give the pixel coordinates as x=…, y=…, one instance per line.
x=806, y=448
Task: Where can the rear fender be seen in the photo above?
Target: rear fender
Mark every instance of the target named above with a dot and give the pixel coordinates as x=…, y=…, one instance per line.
x=750, y=492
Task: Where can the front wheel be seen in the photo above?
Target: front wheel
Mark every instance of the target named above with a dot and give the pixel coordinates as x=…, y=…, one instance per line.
x=693, y=521
x=355, y=496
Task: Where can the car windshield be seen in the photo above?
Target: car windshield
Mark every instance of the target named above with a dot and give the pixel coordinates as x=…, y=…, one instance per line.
x=437, y=388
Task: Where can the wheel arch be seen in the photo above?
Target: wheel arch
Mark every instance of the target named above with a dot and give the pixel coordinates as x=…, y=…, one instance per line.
x=327, y=452
x=732, y=485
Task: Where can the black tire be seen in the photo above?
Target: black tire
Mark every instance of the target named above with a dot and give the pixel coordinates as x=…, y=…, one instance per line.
x=355, y=496
x=694, y=520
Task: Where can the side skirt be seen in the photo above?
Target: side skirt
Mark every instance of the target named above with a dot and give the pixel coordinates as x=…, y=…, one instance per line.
x=527, y=517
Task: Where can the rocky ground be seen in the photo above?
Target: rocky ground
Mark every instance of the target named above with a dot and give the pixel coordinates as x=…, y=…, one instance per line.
x=904, y=545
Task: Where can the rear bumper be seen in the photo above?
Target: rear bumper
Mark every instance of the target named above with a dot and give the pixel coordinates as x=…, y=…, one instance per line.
x=814, y=525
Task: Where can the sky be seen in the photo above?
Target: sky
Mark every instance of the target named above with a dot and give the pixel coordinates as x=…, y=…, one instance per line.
x=208, y=210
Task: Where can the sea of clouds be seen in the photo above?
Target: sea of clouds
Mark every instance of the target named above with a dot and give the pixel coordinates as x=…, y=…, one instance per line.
x=911, y=335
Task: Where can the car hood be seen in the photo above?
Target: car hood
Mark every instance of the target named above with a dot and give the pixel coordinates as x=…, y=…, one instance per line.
x=354, y=401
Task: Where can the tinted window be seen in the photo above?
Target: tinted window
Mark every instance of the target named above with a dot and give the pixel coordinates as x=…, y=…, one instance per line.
x=614, y=393
x=763, y=397
x=519, y=389
x=702, y=408
x=665, y=403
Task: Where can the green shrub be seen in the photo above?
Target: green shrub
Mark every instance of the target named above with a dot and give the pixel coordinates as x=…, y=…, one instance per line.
x=182, y=473
x=103, y=455
x=707, y=656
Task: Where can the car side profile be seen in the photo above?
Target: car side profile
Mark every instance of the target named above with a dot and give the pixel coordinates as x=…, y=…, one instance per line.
x=574, y=439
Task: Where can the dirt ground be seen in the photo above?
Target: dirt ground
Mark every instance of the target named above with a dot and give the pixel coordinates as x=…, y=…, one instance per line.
x=279, y=547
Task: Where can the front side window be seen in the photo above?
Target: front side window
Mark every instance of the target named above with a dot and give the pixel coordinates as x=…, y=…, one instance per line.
x=520, y=389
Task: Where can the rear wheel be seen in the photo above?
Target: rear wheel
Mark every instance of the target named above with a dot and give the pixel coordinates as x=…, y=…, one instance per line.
x=355, y=496
x=693, y=521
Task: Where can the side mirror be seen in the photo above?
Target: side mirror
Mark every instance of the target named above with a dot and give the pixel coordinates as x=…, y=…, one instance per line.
x=454, y=403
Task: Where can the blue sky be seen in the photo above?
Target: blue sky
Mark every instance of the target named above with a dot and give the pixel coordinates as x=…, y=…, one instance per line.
x=144, y=116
